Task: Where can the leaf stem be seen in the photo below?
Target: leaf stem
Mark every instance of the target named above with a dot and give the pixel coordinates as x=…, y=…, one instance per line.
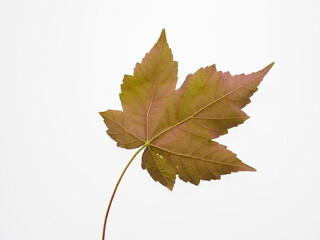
x=116, y=187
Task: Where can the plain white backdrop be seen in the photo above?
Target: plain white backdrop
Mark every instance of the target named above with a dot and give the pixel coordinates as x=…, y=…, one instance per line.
x=62, y=62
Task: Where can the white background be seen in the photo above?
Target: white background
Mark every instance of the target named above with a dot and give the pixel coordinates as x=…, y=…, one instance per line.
x=61, y=62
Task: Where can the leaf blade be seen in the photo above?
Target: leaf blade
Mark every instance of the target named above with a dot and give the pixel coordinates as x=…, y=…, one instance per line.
x=177, y=125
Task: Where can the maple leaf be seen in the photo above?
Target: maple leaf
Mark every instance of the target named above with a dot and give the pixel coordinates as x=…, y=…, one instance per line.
x=176, y=127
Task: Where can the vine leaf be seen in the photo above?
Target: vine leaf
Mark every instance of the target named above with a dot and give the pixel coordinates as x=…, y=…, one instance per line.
x=177, y=126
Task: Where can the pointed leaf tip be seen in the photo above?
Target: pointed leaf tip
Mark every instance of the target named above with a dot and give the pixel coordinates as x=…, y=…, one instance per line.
x=251, y=169
x=267, y=68
x=163, y=36
x=170, y=187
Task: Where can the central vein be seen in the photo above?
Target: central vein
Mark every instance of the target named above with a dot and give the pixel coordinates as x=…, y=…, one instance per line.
x=152, y=96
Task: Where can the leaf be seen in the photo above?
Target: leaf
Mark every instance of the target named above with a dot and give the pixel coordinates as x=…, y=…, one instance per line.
x=177, y=126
